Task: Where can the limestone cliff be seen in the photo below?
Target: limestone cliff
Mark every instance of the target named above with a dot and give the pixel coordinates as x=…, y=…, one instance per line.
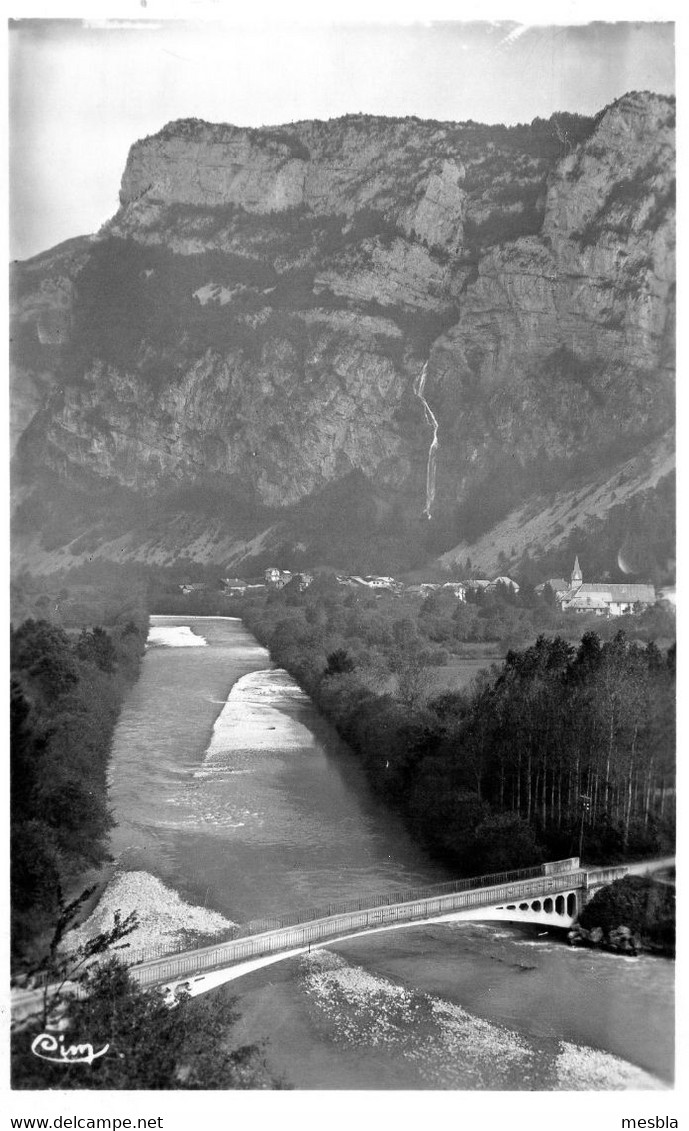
x=252, y=320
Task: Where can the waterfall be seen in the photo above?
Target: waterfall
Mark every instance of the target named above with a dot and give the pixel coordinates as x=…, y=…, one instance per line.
x=419, y=385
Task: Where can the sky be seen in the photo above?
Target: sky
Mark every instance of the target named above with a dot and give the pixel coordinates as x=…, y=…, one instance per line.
x=83, y=90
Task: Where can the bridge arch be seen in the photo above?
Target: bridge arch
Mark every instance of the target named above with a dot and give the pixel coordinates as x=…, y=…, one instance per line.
x=201, y=983
x=532, y=911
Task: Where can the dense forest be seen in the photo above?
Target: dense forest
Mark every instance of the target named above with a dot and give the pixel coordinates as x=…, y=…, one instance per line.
x=563, y=747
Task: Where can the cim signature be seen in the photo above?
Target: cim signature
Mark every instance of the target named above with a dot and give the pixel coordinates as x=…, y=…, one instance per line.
x=45, y=1044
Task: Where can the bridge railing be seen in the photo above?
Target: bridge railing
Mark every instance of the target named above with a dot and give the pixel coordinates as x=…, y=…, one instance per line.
x=300, y=935
x=342, y=907
x=384, y=899
x=599, y=876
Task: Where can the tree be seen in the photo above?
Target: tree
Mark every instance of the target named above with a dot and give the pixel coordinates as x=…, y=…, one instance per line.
x=42, y=653
x=432, y=604
x=291, y=593
x=407, y=661
x=97, y=648
x=339, y=663
x=548, y=595
x=60, y=967
x=150, y=1042
x=64, y=704
x=34, y=880
x=503, y=842
x=27, y=749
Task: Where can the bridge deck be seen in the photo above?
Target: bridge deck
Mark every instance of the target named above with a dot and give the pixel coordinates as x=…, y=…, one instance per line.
x=160, y=970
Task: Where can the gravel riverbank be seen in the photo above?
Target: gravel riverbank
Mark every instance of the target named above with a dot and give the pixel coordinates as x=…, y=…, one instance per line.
x=164, y=918
x=351, y=1027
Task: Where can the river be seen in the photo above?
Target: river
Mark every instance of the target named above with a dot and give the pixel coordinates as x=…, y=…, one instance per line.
x=235, y=800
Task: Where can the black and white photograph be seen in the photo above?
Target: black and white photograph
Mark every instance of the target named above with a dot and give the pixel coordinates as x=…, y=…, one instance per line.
x=342, y=567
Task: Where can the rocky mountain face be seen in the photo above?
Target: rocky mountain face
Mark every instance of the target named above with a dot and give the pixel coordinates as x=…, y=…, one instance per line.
x=229, y=365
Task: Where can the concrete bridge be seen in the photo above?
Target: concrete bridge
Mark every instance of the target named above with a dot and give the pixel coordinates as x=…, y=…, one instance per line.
x=551, y=894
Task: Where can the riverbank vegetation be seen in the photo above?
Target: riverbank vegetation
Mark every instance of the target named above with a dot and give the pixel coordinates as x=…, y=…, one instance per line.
x=636, y=910
x=66, y=694
x=564, y=746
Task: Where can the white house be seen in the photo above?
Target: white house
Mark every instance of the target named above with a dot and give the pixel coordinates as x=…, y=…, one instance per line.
x=380, y=582
x=457, y=588
x=277, y=578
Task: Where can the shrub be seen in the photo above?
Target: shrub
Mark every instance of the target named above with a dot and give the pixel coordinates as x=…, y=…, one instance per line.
x=637, y=902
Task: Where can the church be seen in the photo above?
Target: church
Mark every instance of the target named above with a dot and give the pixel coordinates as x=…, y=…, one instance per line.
x=602, y=597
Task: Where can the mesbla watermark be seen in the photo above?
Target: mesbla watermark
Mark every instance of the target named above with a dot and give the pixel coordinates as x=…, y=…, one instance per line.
x=650, y=1121
x=52, y=1048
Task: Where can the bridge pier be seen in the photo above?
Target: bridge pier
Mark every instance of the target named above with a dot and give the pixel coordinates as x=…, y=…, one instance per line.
x=563, y=907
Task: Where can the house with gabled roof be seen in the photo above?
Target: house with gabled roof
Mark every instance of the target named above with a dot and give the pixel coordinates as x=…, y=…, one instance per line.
x=626, y=597
x=376, y=582
x=188, y=587
x=507, y=582
x=233, y=586
x=557, y=584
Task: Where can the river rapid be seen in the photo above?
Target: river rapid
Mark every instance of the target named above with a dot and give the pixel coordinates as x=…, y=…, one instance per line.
x=234, y=800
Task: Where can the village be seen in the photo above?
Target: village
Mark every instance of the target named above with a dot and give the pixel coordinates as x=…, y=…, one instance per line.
x=602, y=598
